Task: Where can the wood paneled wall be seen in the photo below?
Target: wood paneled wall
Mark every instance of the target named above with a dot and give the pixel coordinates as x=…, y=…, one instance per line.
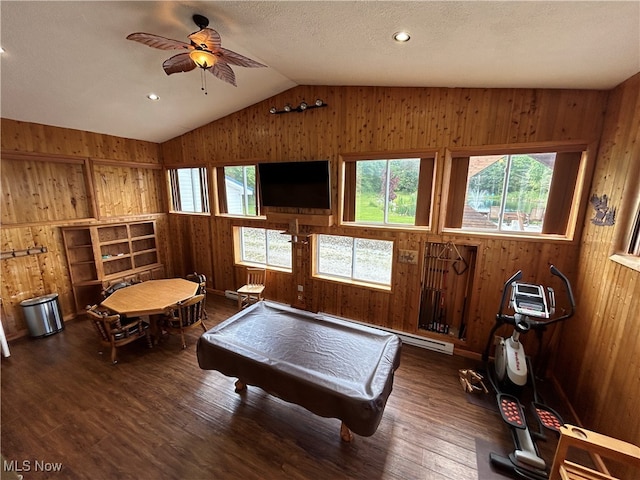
x=53, y=177
x=597, y=361
x=382, y=119
x=598, y=366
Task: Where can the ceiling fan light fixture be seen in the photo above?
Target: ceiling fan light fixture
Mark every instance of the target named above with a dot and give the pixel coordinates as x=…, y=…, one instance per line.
x=203, y=58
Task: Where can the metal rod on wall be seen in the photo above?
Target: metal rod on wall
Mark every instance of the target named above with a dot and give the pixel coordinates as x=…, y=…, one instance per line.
x=24, y=252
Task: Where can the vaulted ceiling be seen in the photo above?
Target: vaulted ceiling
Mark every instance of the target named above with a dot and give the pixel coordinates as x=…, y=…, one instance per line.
x=69, y=64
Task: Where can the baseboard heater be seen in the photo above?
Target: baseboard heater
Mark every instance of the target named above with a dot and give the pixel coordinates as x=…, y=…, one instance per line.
x=231, y=294
x=408, y=338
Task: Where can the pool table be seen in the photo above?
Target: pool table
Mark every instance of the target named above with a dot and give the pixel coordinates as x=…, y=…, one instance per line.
x=332, y=367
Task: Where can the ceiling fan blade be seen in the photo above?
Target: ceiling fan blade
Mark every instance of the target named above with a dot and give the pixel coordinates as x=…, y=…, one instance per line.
x=229, y=56
x=207, y=38
x=156, y=41
x=178, y=63
x=224, y=73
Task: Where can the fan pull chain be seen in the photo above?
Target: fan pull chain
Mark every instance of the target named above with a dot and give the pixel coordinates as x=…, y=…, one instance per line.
x=203, y=81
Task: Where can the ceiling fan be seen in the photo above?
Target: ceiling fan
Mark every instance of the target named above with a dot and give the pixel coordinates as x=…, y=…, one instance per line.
x=204, y=51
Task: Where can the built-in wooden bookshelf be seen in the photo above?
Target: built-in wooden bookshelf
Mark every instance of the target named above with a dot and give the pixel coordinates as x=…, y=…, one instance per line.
x=103, y=253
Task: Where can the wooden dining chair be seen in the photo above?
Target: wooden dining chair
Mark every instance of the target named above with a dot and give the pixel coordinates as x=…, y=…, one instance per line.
x=114, y=286
x=201, y=280
x=253, y=290
x=185, y=315
x=115, y=332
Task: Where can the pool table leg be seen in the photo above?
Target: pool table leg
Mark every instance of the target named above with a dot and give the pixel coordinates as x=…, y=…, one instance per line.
x=345, y=433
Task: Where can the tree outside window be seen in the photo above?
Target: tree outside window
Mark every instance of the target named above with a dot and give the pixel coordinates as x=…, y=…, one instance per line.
x=387, y=191
x=519, y=206
x=516, y=190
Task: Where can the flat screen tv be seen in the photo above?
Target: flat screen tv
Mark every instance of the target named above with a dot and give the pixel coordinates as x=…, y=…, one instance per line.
x=295, y=184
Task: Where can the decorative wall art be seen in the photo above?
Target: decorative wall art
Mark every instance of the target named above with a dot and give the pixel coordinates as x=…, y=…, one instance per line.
x=605, y=215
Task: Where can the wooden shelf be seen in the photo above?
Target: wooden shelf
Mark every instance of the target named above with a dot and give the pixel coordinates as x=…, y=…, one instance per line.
x=107, y=252
x=115, y=242
x=116, y=257
x=143, y=237
x=140, y=252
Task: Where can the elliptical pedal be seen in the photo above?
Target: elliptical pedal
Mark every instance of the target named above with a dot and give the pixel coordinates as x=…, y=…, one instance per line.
x=547, y=417
x=511, y=410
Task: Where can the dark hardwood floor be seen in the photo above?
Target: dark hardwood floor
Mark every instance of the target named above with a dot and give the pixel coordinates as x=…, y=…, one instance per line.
x=156, y=415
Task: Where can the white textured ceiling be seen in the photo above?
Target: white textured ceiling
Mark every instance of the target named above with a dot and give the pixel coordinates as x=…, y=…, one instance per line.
x=68, y=64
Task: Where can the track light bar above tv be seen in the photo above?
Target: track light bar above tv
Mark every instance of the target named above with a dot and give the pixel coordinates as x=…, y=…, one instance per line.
x=303, y=184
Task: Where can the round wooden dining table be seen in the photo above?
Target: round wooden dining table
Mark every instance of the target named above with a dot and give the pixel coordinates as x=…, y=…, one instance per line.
x=151, y=297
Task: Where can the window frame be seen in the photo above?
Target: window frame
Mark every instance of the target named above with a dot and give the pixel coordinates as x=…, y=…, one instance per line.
x=173, y=189
x=627, y=227
x=425, y=194
x=453, y=202
x=238, y=250
x=220, y=197
x=315, y=252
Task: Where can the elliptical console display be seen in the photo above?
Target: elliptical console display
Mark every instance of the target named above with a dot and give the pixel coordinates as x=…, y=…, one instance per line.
x=528, y=299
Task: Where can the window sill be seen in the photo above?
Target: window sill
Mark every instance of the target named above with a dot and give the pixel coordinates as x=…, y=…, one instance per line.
x=262, y=265
x=197, y=214
x=393, y=227
x=241, y=217
x=355, y=283
x=629, y=261
x=515, y=235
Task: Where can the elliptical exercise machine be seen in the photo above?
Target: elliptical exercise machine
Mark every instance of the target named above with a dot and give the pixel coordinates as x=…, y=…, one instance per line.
x=534, y=307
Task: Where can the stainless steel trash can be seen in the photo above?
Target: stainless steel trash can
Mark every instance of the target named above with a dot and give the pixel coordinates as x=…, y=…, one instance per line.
x=43, y=315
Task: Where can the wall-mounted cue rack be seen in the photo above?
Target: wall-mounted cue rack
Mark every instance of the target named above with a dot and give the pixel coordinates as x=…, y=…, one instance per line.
x=447, y=276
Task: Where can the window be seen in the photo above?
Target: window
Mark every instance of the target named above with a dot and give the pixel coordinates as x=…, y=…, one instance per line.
x=634, y=241
x=516, y=192
x=388, y=191
x=509, y=191
x=626, y=245
x=237, y=193
x=354, y=259
x=189, y=192
x=268, y=248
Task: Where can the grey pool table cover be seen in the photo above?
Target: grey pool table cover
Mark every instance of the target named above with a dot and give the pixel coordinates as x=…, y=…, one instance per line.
x=331, y=367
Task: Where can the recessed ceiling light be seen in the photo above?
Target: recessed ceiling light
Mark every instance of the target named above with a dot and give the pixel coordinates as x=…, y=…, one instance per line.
x=153, y=96
x=1, y=50
x=401, y=37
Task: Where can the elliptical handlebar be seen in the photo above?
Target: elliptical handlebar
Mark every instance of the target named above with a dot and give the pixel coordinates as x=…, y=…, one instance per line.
x=572, y=300
x=511, y=319
x=516, y=276
x=502, y=318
